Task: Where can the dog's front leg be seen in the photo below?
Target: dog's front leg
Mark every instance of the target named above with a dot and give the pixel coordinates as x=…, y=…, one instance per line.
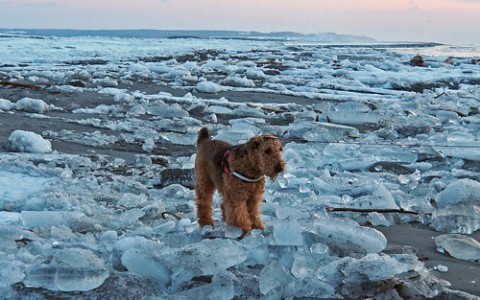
x=236, y=211
x=254, y=213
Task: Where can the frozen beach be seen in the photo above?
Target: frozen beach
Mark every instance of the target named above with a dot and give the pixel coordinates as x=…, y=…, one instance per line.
x=97, y=145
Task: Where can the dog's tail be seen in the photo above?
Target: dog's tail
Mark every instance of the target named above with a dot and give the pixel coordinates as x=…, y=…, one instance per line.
x=203, y=134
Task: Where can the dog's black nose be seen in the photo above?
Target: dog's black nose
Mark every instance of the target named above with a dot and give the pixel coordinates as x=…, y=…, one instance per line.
x=279, y=168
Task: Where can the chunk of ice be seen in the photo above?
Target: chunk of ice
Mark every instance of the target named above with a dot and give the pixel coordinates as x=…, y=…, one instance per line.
x=276, y=283
x=189, y=138
x=463, y=149
x=208, y=87
x=123, y=98
x=460, y=191
x=256, y=251
x=11, y=271
x=235, y=136
x=459, y=246
x=31, y=105
x=442, y=268
x=347, y=236
x=273, y=276
x=287, y=232
x=381, y=198
x=5, y=104
x=76, y=220
x=17, y=187
x=147, y=265
x=107, y=240
x=373, y=267
x=167, y=111
x=106, y=82
x=222, y=288
x=309, y=288
x=209, y=256
x=7, y=217
x=289, y=212
x=27, y=141
x=362, y=157
x=238, y=82
x=72, y=269
x=130, y=200
x=255, y=74
x=306, y=264
x=375, y=271
x=232, y=232
x=354, y=118
x=128, y=218
x=321, y=132
x=456, y=219
x=148, y=145
x=135, y=242
x=217, y=109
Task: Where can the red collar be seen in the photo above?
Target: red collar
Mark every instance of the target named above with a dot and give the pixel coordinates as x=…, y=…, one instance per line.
x=226, y=168
x=226, y=162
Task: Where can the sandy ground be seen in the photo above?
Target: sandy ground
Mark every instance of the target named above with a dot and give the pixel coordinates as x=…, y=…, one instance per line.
x=463, y=275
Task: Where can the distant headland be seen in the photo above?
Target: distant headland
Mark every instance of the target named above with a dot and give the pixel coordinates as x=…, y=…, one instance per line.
x=197, y=34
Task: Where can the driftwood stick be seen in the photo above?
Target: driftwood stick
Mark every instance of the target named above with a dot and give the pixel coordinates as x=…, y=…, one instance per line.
x=439, y=95
x=19, y=84
x=363, y=210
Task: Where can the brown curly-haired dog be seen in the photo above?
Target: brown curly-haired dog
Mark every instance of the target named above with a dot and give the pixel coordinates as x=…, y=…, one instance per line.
x=238, y=173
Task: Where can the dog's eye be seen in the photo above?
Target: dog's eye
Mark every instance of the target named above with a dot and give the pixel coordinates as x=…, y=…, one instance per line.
x=268, y=151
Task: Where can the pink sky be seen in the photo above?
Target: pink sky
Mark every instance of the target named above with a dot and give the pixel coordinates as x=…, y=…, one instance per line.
x=448, y=21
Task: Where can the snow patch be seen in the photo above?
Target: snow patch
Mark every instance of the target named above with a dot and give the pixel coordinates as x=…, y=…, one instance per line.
x=208, y=87
x=5, y=104
x=27, y=141
x=31, y=105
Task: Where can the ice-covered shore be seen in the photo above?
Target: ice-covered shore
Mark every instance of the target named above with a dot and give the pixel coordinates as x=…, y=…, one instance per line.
x=362, y=128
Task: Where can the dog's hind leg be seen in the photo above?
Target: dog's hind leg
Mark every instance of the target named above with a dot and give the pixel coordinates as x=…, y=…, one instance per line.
x=204, y=189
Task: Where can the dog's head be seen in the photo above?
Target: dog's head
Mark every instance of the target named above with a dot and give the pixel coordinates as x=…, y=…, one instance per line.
x=266, y=149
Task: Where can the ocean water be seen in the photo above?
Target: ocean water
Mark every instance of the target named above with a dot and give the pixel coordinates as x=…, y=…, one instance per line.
x=57, y=46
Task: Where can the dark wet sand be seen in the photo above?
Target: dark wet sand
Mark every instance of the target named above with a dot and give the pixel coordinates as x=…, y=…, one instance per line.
x=463, y=275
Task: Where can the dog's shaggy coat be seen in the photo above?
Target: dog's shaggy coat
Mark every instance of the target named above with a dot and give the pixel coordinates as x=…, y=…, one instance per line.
x=217, y=166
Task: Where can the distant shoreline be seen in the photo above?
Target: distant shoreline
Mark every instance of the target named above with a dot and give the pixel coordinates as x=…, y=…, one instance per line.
x=173, y=34
x=328, y=39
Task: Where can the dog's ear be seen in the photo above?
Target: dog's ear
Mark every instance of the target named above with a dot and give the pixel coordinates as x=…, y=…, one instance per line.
x=254, y=143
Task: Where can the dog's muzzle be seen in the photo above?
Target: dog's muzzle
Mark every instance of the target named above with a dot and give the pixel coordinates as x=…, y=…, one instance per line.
x=279, y=168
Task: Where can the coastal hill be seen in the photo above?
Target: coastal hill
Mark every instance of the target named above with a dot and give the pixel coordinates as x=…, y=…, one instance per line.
x=200, y=34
